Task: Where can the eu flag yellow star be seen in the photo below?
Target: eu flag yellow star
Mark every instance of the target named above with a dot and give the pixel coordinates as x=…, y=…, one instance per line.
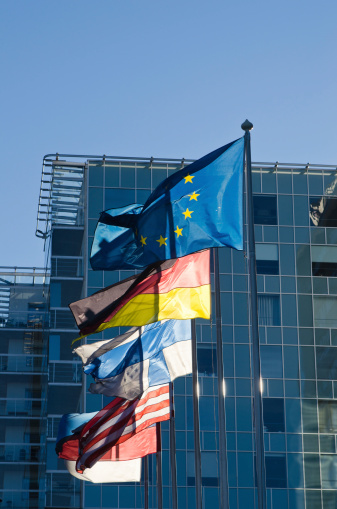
x=143, y=240
x=193, y=196
x=188, y=213
x=178, y=231
x=189, y=178
x=162, y=241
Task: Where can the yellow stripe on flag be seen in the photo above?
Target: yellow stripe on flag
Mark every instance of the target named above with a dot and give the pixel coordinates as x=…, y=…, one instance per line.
x=178, y=304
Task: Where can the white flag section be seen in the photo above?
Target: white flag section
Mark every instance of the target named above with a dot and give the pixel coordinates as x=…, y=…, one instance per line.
x=141, y=358
x=109, y=471
x=135, y=379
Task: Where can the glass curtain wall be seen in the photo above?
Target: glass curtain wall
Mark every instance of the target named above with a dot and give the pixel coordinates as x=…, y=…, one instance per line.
x=24, y=324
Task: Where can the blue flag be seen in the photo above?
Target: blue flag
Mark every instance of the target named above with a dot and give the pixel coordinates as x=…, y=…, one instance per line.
x=196, y=208
x=141, y=358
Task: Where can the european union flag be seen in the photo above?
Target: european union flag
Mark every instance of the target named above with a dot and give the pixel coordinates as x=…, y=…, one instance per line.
x=196, y=208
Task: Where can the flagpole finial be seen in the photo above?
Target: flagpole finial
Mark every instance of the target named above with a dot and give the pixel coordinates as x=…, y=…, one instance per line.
x=247, y=126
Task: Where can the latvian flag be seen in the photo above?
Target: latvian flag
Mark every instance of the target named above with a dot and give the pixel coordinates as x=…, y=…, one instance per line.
x=120, y=420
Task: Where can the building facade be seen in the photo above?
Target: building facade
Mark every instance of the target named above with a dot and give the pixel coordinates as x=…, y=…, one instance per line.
x=24, y=331
x=295, y=215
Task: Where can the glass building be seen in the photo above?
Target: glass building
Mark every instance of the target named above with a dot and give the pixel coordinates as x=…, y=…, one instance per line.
x=295, y=215
x=23, y=390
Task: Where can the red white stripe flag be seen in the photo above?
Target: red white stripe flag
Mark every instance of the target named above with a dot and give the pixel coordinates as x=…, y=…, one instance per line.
x=120, y=420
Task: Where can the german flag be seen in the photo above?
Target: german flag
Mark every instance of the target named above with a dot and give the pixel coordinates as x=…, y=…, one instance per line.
x=174, y=289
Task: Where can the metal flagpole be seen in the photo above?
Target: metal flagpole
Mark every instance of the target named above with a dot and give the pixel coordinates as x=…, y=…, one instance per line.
x=224, y=497
x=146, y=482
x=173, y=452
x=159, y=469
x=257, y=388
x=197, y=453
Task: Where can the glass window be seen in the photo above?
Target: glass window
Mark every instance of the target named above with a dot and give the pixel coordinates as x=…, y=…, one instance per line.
x=285, y=210
x=95, y=202
x=269, y=309
x=303, y=267
x=330, y=182
x=159, y=173
x=265, y=209
x=284, y=183
x=207, y=365
x=267, y=258
x=127, y=176
x=301, y=211
x=118, y=198
x=256, y=181
x=305, y=311
x=209, y=468
x=324, y=261
x=96, y=175
x=326, y=363
x=289, y=315
x=287, y=257
x=309, y=415
x=271, y=361
x=328, y=472
x=276, y=472
x=143, y=176
x=245, y=470
x=65, y=291
x=111, y=176
x=244, y=414
x=307, y=362
x=273, y=414
x=67, y=242
x=323, y=211
x=286, y=234
x=312, y=475
x=290, y=362
x=268, y=182
x=325, y=311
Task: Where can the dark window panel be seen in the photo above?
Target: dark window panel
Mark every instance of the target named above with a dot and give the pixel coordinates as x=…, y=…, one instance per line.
x=207, y=364
x=265, y=209
x=276, y=471
x=269, y=267
x=273, y=414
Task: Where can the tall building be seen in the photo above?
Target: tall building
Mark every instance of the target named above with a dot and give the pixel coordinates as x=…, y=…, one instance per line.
x=23, y=390
x=295, y=214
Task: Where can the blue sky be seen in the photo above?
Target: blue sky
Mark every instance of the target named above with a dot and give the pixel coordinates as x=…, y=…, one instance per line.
x=157, y=78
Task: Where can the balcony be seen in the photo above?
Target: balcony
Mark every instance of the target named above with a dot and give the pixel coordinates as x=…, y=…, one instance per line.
x=23, y=363
x=62, y=372
x=21, y=320
x=22, y=453
x=21, y=407
x=62, y=266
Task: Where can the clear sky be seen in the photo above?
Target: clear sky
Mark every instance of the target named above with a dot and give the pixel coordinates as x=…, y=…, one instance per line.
x=157, y=78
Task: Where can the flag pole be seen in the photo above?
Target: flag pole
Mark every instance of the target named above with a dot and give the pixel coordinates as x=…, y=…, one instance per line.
x=159, y=469
x=257, y=388
x=173, y=452
x=197, y=453
x=146, y=482
x=224, y=496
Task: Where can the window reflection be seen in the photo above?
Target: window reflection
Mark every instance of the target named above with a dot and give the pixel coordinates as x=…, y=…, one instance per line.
x=323, y=211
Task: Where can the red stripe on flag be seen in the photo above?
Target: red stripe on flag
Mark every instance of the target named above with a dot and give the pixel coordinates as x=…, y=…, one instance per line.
x=91, y=459
x=123, y=424
x=105, y=440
